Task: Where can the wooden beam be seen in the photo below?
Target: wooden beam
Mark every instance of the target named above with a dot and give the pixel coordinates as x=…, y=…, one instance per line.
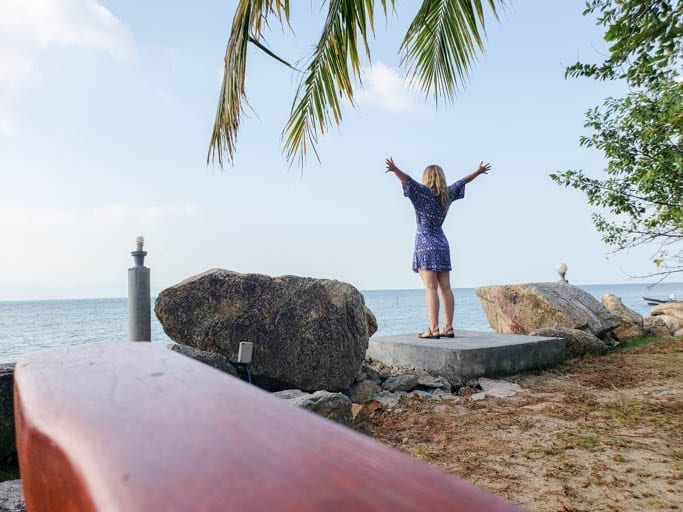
x=136, y=427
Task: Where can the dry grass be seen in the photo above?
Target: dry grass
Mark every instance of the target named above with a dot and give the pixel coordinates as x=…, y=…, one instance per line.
x=602, y=433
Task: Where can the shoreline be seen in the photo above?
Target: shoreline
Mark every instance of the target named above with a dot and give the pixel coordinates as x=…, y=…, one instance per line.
x=653, y=286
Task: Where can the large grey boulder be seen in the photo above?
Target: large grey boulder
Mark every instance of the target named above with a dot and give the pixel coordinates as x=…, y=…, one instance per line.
x=12, y=496
x=333, y=406
x=522, y=308
x=578, y=343
x=631, y=322
x=308, y=334
x=7, y=439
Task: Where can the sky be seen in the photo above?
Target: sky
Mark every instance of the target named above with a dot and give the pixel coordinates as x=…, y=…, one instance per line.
x=106, y=108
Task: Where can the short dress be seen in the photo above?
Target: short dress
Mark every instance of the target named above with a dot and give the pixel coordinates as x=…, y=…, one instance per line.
x=431, y=246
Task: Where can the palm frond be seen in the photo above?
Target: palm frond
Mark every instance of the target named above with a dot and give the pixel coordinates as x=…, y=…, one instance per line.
x=329, y=75
x=441, y=43
x=251, y=16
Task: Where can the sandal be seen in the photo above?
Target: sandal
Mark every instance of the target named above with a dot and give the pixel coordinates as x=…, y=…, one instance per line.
x=447, y=333
x=429, y=335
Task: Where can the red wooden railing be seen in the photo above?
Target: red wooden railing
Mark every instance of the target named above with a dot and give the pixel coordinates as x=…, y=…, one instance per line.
x=135, y=427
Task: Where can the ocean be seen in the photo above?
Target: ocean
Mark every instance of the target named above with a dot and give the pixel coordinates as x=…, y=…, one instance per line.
x=26, y=326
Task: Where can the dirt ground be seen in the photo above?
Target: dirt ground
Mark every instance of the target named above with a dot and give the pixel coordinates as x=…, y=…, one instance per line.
x=601, y=433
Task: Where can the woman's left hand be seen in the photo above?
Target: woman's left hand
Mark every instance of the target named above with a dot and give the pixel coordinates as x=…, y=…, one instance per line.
x=483, y=168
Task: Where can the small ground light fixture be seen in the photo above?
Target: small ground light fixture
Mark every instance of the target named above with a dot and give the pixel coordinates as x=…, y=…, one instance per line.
x=244, y=352
x=561, y=269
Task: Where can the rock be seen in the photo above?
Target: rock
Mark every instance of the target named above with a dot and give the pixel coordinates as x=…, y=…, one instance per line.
x=371, y=320
x=362, y=391
x=7, y=440
x=672, y=323
x=364, y=411
x=213, y=359
x=400, y=383
x=12, y=496
x=443, y=395
x=578, y=343
x=428, y=381
x=288, y=394
x=418, y=393
x=333, y=406
x=610, y=339
x=307, y=333
x=389, y=399
x=522, y=308
x=631, y=322
x=678, y=333
x=499, y=388
x=370, y=373
x=381, y=370
x=476, y=397
x=674, y=309
x=656, y=326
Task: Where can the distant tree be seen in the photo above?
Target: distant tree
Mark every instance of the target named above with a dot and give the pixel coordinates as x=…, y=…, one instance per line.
x=641, y=197
x=437, y=51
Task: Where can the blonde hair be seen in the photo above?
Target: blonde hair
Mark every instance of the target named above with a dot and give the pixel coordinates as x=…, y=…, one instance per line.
x=434, y=177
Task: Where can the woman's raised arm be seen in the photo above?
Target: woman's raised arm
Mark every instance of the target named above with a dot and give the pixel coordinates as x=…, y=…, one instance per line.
x=482, y=169
x=391, y=167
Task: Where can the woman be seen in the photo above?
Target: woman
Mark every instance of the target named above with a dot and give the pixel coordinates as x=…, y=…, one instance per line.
x=432, y=257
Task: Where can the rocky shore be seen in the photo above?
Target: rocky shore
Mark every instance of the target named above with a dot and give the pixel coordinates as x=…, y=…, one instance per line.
x=310, y=339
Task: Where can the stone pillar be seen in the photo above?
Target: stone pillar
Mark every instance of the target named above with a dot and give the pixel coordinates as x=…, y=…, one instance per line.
x=139, y=306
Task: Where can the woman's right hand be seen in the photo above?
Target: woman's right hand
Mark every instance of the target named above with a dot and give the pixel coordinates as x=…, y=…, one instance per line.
x=391, y=166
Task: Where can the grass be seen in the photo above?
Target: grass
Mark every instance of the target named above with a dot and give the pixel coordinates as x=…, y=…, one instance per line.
x=634, y=343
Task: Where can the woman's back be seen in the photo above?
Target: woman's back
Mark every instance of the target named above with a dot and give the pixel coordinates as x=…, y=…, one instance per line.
x=429, y=211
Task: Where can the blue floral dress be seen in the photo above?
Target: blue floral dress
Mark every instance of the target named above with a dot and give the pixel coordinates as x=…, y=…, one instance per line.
x=431, y=246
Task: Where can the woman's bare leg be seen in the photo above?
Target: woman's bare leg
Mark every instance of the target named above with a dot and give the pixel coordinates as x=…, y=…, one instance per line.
x=447, y=299
x=429, y=278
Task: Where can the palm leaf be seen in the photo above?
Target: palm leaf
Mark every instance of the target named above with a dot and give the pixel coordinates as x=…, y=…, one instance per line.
x=442, y=42
x=330, y=74
x=438, y=50
x=251, y=16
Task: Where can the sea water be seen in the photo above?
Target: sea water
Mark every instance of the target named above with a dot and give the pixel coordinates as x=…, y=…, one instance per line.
x=26, y=326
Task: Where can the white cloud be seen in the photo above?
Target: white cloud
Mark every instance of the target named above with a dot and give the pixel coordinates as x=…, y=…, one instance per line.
x=385, y=88
x=28, y=28
x=31, y=24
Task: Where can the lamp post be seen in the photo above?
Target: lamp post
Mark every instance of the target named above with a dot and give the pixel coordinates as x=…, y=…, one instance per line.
x=139, y=307
x=561, y=269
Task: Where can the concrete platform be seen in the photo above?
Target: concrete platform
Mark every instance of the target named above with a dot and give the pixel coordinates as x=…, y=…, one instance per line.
x=470, y=354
